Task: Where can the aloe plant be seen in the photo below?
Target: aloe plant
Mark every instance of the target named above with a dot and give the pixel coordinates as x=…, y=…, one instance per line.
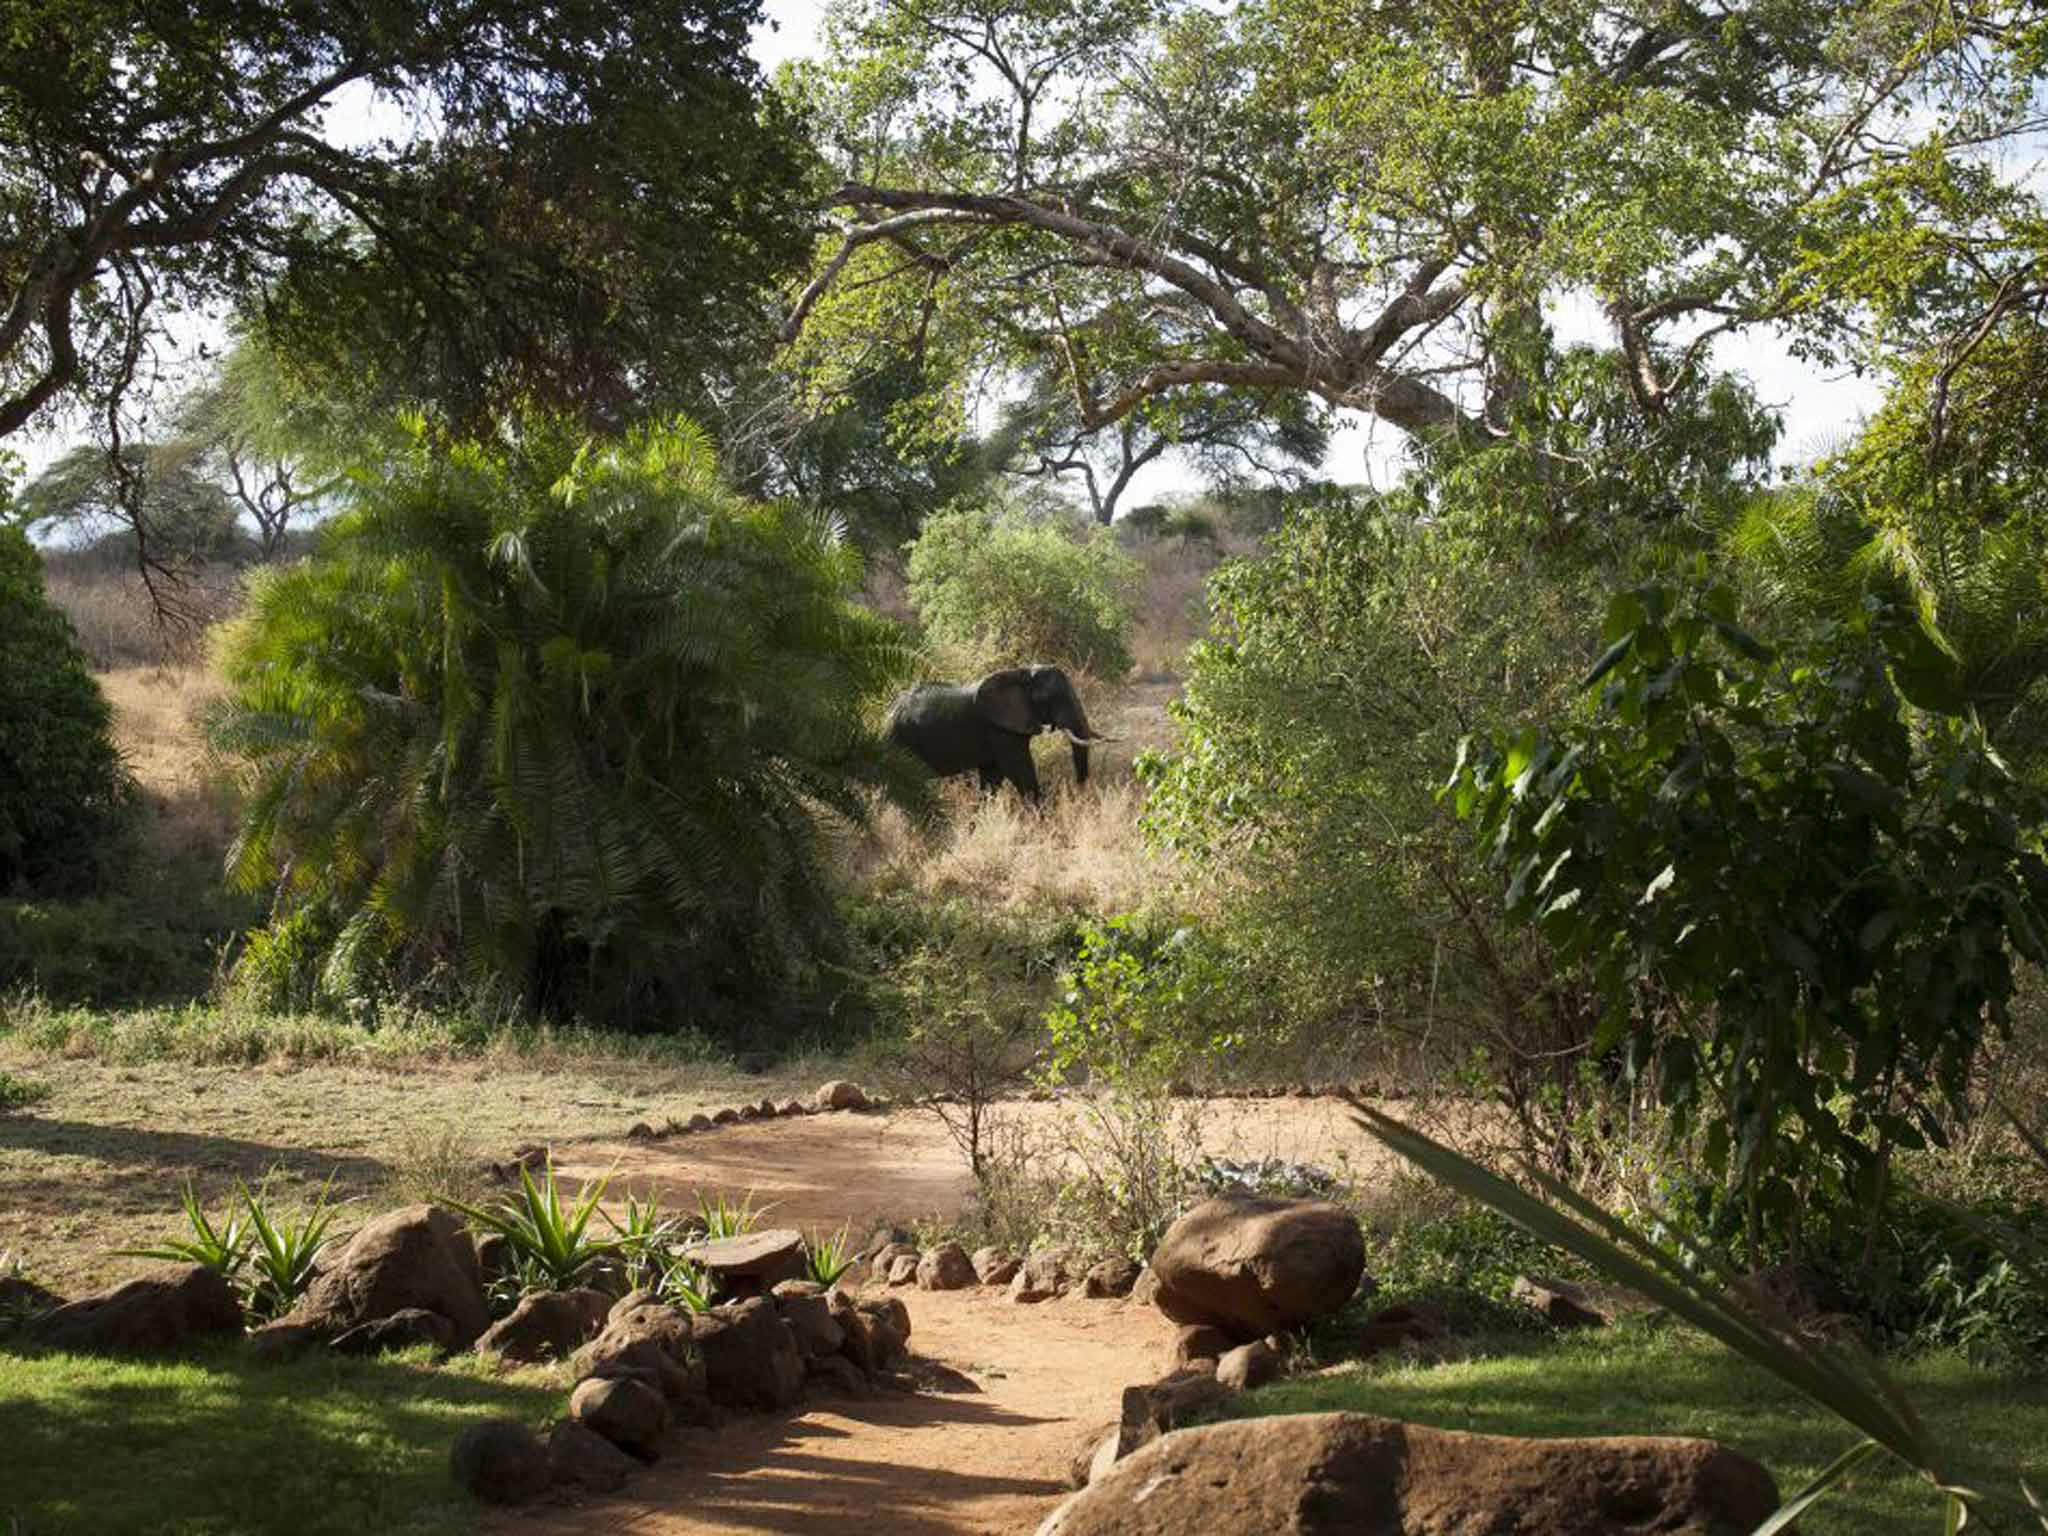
x=646, y=1241
x=283, y=1252
x=553, y=1245
x=1700, y=1287
x=826, y=1257
x=221, y=1249
x=724, y=1216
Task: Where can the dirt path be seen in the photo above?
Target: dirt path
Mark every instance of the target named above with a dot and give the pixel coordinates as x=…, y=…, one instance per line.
x=986, y=1459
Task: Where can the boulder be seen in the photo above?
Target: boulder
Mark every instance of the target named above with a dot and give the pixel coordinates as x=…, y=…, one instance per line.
x=547, y=1325
x=835, y=1375
x=632, y=1301
x=1201, y=1341
x=884, y=1238
x=407, y=1328
x=839, y=1094
x=995, y=1266
x=1563, y=1304
x=751, y=1359
x=500, y=1461
x=21, y=1299
x=784, y=1289
x=1112, y=1277
x=1249, y=1365
x=810, y=1319
x=1041, y=1277
x=884, y=1258
x=166, y=1309
x=639, y=1130
x=1322, y=1474
x=903, y=1269
x=418, y=1256
x=656, y=1344
x=1087, y=1451
x=1257, y=1266
x=725, y=1116
x=698, y=1122
x=631, y=1414
x=753, y=1263
x=791, y=1107
x=877, y=1335
x=496, y=1258
x=579, y=1457
x=945, y=1268
x=282, y=1340
x=1145, y=1289
x=1160, y=1407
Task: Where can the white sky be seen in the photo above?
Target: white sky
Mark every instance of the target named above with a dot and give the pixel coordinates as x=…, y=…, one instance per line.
x=1816, y=408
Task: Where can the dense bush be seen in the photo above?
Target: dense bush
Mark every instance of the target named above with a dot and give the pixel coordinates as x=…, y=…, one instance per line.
x=1342, y=667
x=63, y=790
x=1000, y=587
x=567, y=723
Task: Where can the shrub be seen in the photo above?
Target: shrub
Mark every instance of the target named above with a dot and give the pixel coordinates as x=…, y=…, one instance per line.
x=20, y=1092
x=64, y=793
x=1341, y=668
x=1000, y=588
x=566, y=723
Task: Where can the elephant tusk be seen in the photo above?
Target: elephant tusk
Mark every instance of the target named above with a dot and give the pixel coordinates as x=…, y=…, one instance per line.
x=1089, y=741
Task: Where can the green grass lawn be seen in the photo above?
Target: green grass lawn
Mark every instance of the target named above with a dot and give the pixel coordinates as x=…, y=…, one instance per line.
x=1635, y=1379
x=216, y=1445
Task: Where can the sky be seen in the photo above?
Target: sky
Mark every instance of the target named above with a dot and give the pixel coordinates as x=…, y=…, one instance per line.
x=1816, y=407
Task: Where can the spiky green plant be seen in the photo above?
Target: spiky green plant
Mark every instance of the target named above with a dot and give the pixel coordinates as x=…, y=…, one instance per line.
x=683, y=1284
x=1702, y=1288
x=646, y=1241
x=566, y=718
x=552, y=1245
x=826, y=1258
x=223, y=1249
x=724, y=1216
x=282, y=1251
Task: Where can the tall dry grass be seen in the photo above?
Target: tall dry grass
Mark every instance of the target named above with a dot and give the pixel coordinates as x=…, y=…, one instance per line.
x=188, y=806
x=119, y=625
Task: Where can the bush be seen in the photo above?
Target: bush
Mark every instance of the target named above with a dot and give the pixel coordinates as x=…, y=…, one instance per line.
x=1001, y=588
x=566, y=724
x=64, y=793
x=1341, y=669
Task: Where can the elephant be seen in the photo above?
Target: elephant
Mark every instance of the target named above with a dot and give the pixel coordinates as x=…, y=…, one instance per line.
x=987, y=726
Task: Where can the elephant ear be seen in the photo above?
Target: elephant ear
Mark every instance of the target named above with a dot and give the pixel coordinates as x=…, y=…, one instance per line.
x=1005, y=702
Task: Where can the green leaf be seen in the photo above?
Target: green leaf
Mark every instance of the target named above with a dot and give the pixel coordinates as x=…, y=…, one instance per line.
x=1610, y=659
x=1836, y=1472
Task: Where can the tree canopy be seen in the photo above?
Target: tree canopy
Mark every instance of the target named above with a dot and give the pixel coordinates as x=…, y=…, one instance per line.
x=581, y=204
x=1388, y=206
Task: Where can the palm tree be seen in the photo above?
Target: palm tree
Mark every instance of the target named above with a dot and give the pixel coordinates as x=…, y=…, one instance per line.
x=571, y=720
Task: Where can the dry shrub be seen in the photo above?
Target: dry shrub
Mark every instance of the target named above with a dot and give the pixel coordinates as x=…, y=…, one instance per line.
x=117, y=622
x=1173, y=611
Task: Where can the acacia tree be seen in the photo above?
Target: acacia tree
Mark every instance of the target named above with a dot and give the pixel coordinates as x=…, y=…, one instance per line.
x=583, y=198
x=1372, y=204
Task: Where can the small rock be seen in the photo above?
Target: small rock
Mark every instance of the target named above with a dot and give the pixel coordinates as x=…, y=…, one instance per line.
x=753, y=1263
x=725, y=1116
x=579, y=1457
x=284, y=1339
x=500, y=1461
x=1042, y=1276
x=751, y=1359
x=995, y=1266
x=903, y=1270
x=836, y=1375
x=945, y=1268
x=1564, y=1305
x=748, y=1112
x=1081, y=1465
x=1248, y=1366
x=496, y=1258
x=839, y=1094
x=810, y=1319
x=1112, y=1277
x=640, y=1130
x=404, y=1329
x=698, y=1122
x=791, y=1107
x=632, y=1301
x=630, y=1414
x=1145, y=1291
x=1164, y=1406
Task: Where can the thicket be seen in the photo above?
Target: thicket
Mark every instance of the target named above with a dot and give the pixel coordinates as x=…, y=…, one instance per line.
x=569, y=725
x=64, y=793
x=998, y=586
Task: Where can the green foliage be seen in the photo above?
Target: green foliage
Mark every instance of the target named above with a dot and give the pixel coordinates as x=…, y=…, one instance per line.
x=999, y=587
x=565, y=725
x=683, y=1284
x=81, y=497
x=1342, y=665
x=1468, y=1249
x=222, y=1249
x=551, y=1244
x=64, y=793
x=1827, y=889
x=721, y=1215
x=20, y=1092
x=283, y=1251
x=125, y=947
x=1140, y=1009
x=826, y=1258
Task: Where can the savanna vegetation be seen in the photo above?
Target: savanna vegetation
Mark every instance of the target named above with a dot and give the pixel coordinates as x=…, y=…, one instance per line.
x=472, y=655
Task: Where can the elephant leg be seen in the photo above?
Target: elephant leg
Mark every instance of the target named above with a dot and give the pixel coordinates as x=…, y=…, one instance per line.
x=1013, y=757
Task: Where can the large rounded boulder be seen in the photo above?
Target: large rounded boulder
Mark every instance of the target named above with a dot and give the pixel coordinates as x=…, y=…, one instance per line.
x=167, y=1309
x=1258, y=1266
x=1338, y=1474
x=416, y=1257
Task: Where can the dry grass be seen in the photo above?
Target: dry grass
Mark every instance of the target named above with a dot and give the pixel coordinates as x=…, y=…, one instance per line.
x=1173, y=613
x=118, y=625
x=188, y=807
